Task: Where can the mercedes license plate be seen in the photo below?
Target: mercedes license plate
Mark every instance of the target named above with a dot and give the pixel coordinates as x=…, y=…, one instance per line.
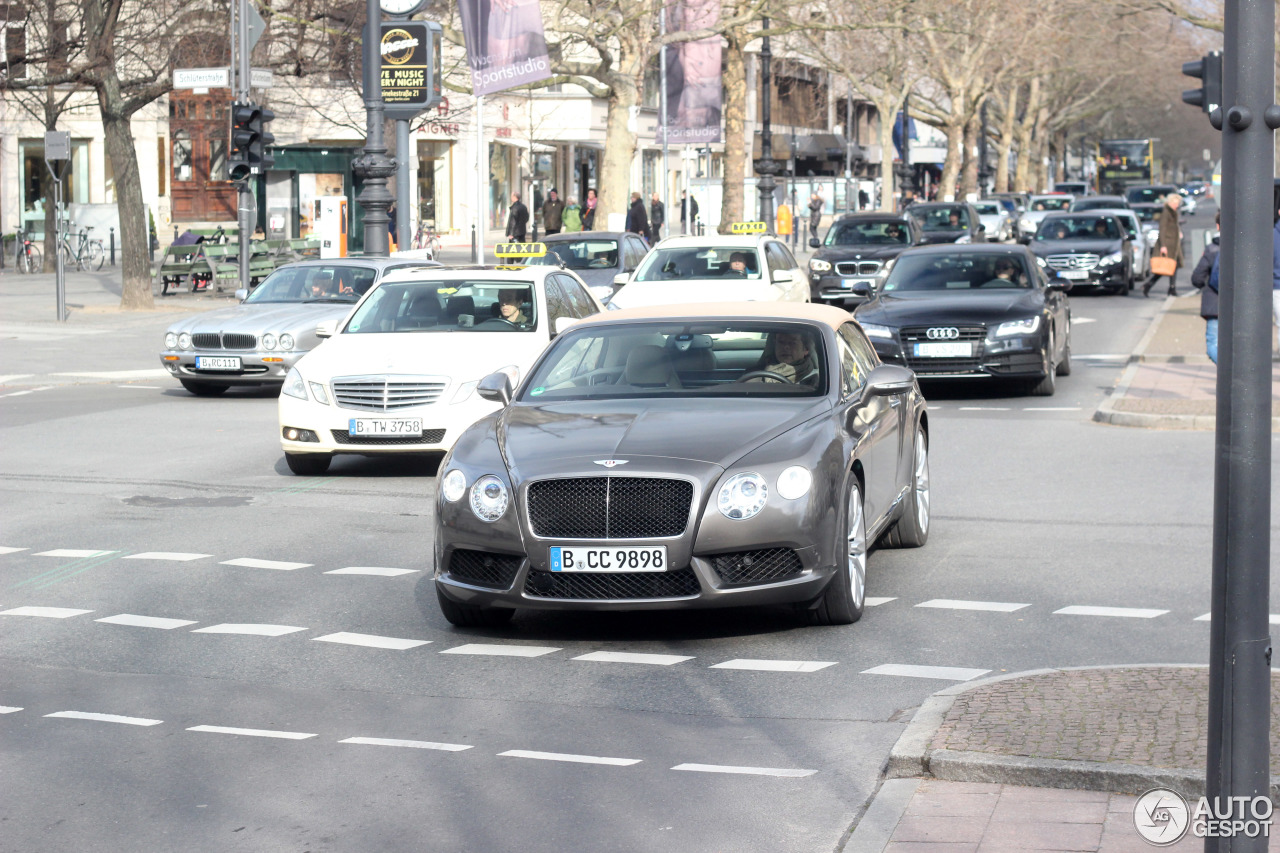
x=384, y=426
x=574, y=559
x=1074, y=275
x=209, y=362
x=962, y=349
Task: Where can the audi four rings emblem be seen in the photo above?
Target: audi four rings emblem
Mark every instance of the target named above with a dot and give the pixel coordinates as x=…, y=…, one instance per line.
x=943, y=333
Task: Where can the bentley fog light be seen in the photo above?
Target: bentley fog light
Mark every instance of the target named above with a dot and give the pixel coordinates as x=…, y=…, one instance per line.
x=794, y=482
x=293, y=385
x=453, y=486
x=170, y=340
x=184, y=341
x=1018, y=327
x=743, y=496
x=819, y=265
x=488, y=498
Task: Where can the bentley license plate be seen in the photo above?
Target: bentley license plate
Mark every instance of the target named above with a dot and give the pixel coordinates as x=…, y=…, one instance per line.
x=206, y=362
x=945, y=350
x=384, y=426
x=573, y=559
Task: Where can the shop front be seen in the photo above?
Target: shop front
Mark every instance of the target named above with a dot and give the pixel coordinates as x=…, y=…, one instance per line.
x=289, y=195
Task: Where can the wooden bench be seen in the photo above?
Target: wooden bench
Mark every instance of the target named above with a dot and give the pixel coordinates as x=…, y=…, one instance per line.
x=305, y=247
x=220, y=265
x=262, y=261
x=177, y=265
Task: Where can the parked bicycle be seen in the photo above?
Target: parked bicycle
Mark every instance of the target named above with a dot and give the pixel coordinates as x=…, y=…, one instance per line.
x=87, y=253
x=426, y=239
x=29, y=257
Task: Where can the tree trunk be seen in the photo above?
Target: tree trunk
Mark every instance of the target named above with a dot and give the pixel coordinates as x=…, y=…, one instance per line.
x=619, y=147
x=951, y=166
x=969, y=174
x=133, y=218
x=887, y=108
x=736, y=145
x=1004, y=145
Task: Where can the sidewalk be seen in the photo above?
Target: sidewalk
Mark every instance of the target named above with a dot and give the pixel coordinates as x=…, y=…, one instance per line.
x=1170, y=382
x=1047, y=760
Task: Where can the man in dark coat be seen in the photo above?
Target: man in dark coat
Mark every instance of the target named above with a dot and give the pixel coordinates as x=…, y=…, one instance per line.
x=815, y=214
x=657, y=216
x=637, y=222
x=1169, y=243
x=517, y=219
x=1201, y=280
x=688, y=212
x=552, y=213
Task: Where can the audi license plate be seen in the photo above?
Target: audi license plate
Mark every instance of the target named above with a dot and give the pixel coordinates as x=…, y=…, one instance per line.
x=963, y=349
x=1074, y=275
x=573, y=559
x=384, y=426
x=208, y=362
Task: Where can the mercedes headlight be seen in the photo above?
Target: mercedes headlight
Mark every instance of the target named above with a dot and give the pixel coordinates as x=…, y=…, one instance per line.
x=1040, y=261
x=267, y=341
x=964, y=238
x=286, y=342
x=184, y=341
x=794, y=482
x=742, y=496
x=489, y=498
x=170, y=340
x=875, y=330
x=1018, y=327
x=819, y=265
x=293, y=384
x=317, y=391
x=464, y=392
x=453, y=486
x=1113, y=258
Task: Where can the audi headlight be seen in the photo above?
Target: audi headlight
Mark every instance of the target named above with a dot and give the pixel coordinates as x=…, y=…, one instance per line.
x=286, y=342
x=489, y=498
x=184, y=341
x=170, y=340
x=267, y=341
x=453, y=486
x=293, y=384
x=1113, y=258
x=875, y=330
x=742, y=496
x=794, y=482
x=819, y=265
x=317, y=391
x=1018, y=327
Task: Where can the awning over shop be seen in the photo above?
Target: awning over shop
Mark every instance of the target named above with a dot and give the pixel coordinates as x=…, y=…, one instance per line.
x=816, y=146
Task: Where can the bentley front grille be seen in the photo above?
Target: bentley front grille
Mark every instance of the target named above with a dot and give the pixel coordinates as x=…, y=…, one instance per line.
x=603, y=586
x=478, y=568
x=745, y=568
x=387, y=393
x=609, y=507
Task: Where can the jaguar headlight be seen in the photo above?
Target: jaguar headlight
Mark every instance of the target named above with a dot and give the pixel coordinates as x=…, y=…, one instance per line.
x=1018, y=327
x=286, y=342
x=170, y=340
x=293, y=385
x=794, y=482
x=875, y=330
x=184, y=341
x=267, y=341
x=489, y=498
x=453, y=486
x=742, y=496
x=819, y=265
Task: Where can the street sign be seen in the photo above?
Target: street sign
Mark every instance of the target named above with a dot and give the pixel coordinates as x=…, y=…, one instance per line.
x=57, y=145
x=411, y=77
x=201, y=78
x=260, y=78
x=256, y=25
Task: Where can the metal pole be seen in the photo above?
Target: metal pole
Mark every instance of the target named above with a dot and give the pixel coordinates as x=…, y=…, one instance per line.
x=766, y=167
x=245, y=201
x=374, y=167
x=60, y=267
x=662, y=118
x=481, y=180
x=404, y=229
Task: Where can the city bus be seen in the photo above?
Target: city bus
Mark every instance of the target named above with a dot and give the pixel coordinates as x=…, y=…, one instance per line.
x=1124, y=162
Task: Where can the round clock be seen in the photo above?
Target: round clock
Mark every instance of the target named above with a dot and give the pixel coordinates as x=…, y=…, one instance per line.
x=401, y=8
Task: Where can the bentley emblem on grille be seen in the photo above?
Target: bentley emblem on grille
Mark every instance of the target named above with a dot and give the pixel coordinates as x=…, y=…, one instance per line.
x=943, y=333
x=611, y=463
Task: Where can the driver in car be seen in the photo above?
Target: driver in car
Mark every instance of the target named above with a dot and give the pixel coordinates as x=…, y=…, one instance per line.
x=509, y=307
x=1005, y=270
x=894, y=233
x=738, y=265
x=792, y=361
x=322, y=285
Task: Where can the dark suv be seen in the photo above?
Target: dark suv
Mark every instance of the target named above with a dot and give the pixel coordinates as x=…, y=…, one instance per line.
x=859, y=248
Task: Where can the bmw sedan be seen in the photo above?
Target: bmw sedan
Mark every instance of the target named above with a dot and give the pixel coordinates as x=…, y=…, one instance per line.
x=973, y=312
x=686, y=456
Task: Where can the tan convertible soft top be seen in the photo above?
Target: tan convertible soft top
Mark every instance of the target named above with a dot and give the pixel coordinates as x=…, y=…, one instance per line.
x=827, y=314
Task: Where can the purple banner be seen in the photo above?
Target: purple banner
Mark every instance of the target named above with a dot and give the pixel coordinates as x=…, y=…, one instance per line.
x=505, y=43
x=694, y=86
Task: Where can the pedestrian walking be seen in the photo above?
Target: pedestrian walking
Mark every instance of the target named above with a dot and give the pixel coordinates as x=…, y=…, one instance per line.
x=864, y=200
x=657, y=216
x=589, y=215
x=572, y=217
x=1169, y=243
x=815, y=214
x=688, y=212
x=637, y=222
x=391, y=226
x=517, y=219
x=1204, y=278
x=552, y=213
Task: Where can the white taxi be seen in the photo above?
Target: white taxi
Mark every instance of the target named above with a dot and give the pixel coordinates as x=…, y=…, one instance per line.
x=748, y=265
x=399, y=374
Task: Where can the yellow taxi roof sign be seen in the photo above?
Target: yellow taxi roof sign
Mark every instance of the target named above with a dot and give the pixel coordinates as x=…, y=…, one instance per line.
x=748, y=228
x=520, y=250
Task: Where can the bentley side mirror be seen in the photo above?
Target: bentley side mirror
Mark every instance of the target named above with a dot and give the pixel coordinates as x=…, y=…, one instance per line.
x=496, y=388
x=890, y=379
x=324, y=330
x=813, y=243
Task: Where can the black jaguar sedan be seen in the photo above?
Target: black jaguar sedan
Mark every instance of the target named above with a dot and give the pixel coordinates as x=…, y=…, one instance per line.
x=972, y=312
x=858, y=248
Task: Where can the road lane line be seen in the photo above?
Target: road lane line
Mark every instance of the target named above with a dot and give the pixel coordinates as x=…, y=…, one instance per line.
x=71, y=552
x=171, y=556
x=105, y=718
x=47, y=612
x=774, y=665
x=576, y=759
x=9, y=709
x=750, y=771
x=953, y=604
x=230, y=730
x=495, y=649
x=251, y=563
x=1272, y=618
x=28, y=391
x=371, y=640
x=942, y=673
x=134, y=621
x=411, y=744
x=377, y=571
x=633, y=657
x=139, y=387
x=1051, y=409
x=126, y=375
x=249, y=628
x=872, y=601
x=14, y=377
x=11, y=550
x=1125, y=612
x=984, y=408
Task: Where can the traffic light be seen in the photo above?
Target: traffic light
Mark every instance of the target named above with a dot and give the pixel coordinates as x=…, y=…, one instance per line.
x=249, y=141
x=258, y=155
x=1209, y=69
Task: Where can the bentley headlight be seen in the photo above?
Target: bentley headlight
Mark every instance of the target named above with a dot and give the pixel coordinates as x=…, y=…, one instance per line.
x=489, y=498
x=743, y=496
x=819, y=265
x=170, y=340
x=293, y=385
x=453, y=486
x=184, y=341
x=1018, y=327
x=286, y=342
x=268, y=341
x=875, y=330
x=794, y=482
x=1113, y=258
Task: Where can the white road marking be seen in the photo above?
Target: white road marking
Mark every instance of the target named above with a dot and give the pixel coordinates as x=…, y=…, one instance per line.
x=146, y=621
x=250, y=563
x=172, y=556
x=48, y=612
x=945, y=673
x=259, y=630
x=371, y=640
x=11, y=550
x=72, y=552
x=1076, y=321
x=577, y=759
x=872, y=601
x=372, y=570
x=1128, y=612
x=1102, y=356
x=9, y=709
x=412, y=744
x=140, y=387
x=105, y=718
x=229, y=730
x=633, y=657
x=1051, y=409
x=984, y=408
x=1272, y=619
x=14, y=377
x=150, y=373
x=774, y=665
x=750, y=771
x=28, y=391
x=952, y=604
x=495, y=649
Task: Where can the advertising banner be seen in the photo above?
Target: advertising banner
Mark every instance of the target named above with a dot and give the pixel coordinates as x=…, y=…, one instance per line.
x=694, y=86
x=405, y=83
x=505, y=43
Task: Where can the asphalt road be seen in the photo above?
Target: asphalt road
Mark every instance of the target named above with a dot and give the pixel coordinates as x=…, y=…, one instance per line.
x=210, y=632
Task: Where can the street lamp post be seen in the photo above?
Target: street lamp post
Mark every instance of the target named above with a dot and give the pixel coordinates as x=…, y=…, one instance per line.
x=906, y=180
x=374, y=167
x=766, y=167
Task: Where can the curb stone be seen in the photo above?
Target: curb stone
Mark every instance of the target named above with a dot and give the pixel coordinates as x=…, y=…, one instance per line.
x=875, y=828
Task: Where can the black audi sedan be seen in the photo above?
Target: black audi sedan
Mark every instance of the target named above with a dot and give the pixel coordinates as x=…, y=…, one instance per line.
x=948, y=222
x=858, y=248
x=1088, y=249
x=972, y=312
x=685, y=456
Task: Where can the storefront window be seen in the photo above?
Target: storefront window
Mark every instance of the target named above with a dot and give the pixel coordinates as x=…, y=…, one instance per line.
x=36, y=191
x=181, y=155
x=433, y=184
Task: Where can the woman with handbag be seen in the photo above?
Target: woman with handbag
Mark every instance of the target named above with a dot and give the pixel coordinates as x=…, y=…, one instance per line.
x=1169, y=244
